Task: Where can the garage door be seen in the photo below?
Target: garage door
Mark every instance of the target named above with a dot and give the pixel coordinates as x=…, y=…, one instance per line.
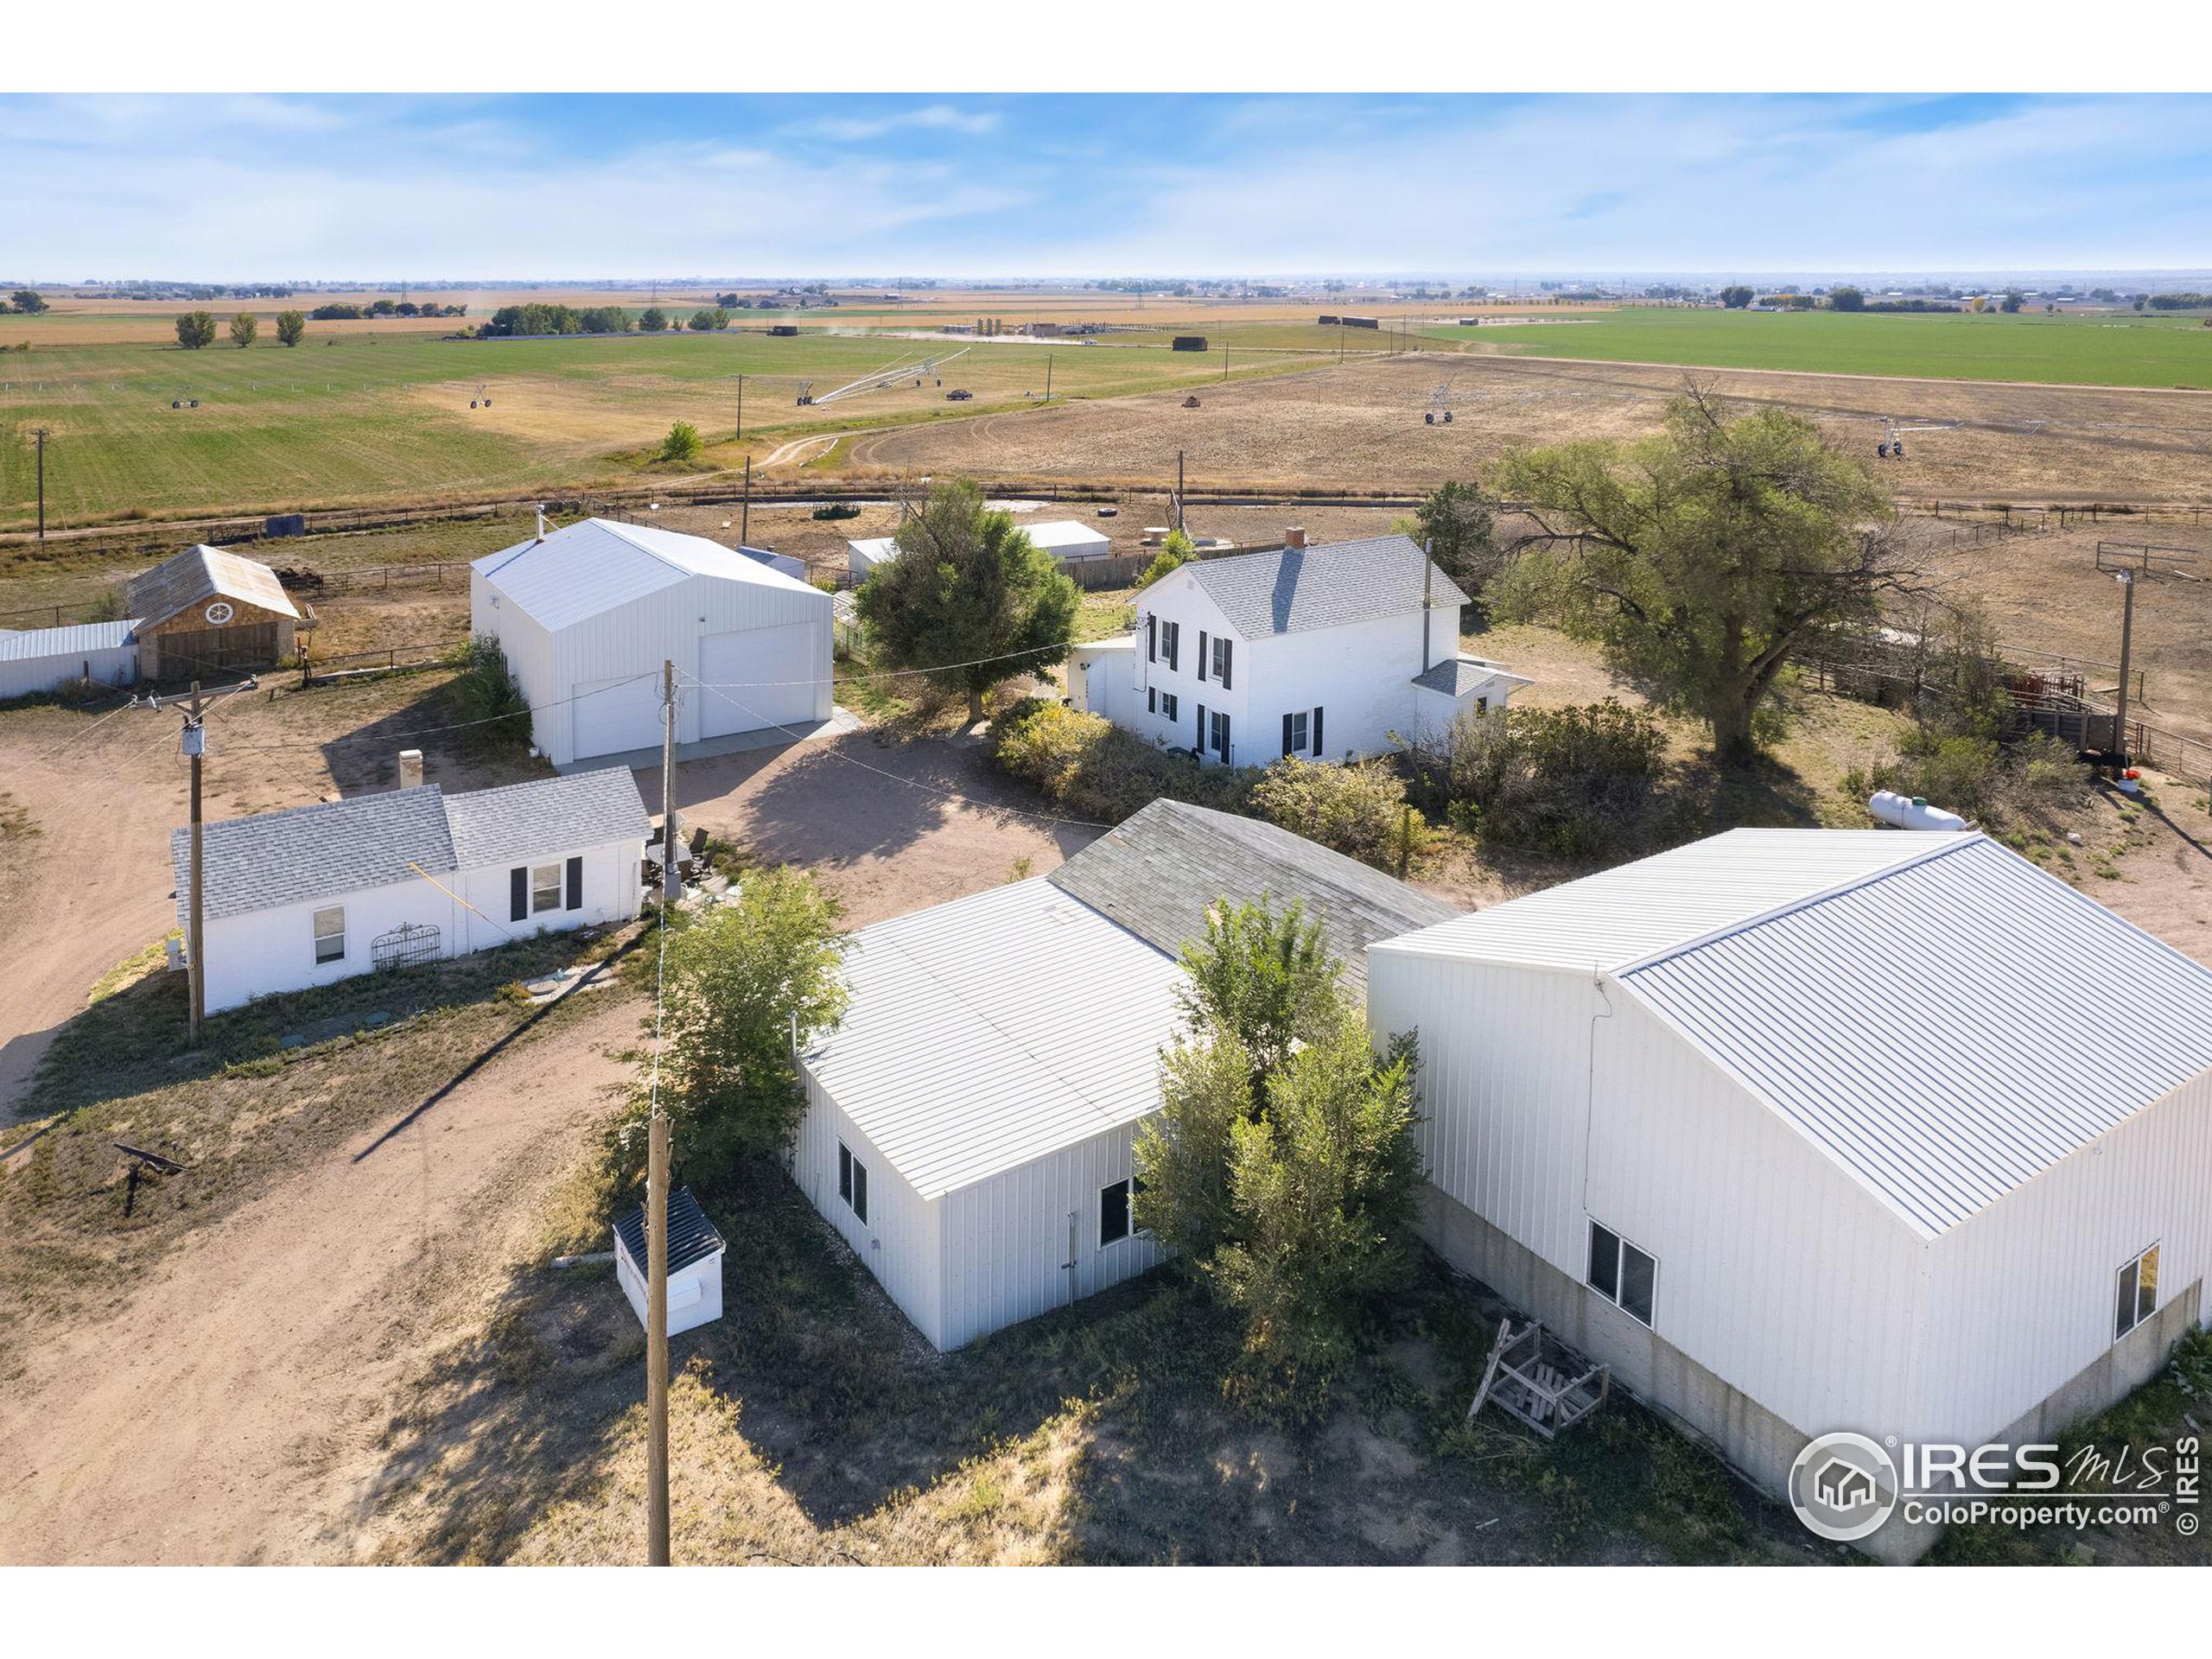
x=612, y=717
x=763, y=676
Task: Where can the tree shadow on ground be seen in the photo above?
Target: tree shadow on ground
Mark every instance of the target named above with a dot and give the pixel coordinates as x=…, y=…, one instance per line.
x=367, y=759
x=812, y=1423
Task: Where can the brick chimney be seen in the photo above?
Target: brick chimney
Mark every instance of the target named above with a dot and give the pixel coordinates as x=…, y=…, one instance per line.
x=410, y=768
x=1294, y=536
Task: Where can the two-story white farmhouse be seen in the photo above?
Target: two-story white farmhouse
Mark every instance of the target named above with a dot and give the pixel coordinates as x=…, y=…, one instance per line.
x=1329, y=653
x=315, y=893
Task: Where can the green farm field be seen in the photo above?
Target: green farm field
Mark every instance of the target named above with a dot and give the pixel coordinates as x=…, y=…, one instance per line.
x=2088, y=350
x=370, y=418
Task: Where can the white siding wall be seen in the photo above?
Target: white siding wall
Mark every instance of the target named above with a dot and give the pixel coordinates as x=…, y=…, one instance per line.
x=900, y=1240
x=116, y=665
x=266, y=952
x=1005, y=1240
x=2022, y=1295
x=1175, y=598
x=529, y=648
x=1776, y=1271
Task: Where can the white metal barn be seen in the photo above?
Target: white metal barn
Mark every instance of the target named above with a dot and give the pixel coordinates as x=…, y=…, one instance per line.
x=695, y=1263
x=1804, y=1131
x=587, y=614
x=1069, y=540
x=863, y=555
x=317, y=893
x=38, y=659
x=970, y=1125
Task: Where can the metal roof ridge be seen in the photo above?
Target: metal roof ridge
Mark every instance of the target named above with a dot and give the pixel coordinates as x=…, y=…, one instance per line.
x=1946, y=844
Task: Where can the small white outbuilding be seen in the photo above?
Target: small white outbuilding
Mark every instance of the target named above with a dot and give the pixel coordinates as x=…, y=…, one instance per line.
x=587, y=614
x=969, y=1124
x=1805, y=1131
x=1068, y=540
x=41, y=659
x=695, y=1263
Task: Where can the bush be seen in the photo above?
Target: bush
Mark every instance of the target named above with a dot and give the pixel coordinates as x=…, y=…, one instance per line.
x=488, y=698
x=1998, y=785
x=1175, y=552
x=682, y=443
x=1358, y=811
x=1093, y=769
x=1579, y=783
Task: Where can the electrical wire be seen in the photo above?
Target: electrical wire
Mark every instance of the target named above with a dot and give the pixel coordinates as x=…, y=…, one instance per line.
x=455, y=726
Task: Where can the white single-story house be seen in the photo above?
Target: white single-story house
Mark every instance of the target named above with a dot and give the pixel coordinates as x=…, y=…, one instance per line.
x=969, y=1124
x=695, y=1263
x=587, y=614
x=315, y=893
x=33, y=660
x=1068, y=540
x=1805, y=1131
x=207, y=610
x=1329, y=653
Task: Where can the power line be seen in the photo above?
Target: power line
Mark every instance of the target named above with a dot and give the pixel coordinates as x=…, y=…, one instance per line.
x=457, y=725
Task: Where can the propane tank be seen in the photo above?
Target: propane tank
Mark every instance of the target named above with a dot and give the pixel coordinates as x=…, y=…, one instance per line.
x=1911, y=812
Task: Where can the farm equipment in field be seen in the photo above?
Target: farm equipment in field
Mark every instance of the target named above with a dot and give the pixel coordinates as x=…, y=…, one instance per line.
x=483, y=398
x=1891, y=446
x=1440, y=407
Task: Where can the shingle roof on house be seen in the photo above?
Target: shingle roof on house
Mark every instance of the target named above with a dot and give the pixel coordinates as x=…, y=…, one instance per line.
x=1455, y=677
x=548, y=815
x=203, y=573
x=28, y=645
x=1158, y=874
x=335, y=847
x=1291, y=590
x=312, y=852
x=597, y=564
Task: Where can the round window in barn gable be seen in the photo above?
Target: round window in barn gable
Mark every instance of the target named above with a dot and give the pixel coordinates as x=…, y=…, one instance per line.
x=219, y=612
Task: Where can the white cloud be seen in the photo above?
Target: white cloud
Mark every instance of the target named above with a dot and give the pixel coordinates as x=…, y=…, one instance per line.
x=930, y=117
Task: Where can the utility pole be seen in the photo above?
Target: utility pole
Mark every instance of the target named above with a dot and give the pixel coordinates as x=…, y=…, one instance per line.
x=744, y=516
x=656, y=1341
x=2127, y=578
x=1048, y=377
x=195, y=747
x=41, y=435
x=1178, y=489
x=740, y=407
x=671, y=879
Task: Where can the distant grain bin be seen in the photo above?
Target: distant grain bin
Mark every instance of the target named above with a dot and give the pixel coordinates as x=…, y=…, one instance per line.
x=1360, y=323
x=1190, y=342
x=783, y=330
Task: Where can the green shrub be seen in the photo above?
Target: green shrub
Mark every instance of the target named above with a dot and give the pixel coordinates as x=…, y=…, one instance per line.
x=1092, y=768
x=488, y=698
x=2003, y=785
x=1358, y=811
x=1579, y=782
x=1175, y=552
x=682, y=443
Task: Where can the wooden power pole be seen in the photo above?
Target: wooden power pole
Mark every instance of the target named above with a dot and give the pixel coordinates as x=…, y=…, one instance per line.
x=2127, y=657
x=740, y=406
x=1178, y=489
x=657, y=1342
x=195, y=747
x=671, y=879
x=745, y=517
x=41, y=435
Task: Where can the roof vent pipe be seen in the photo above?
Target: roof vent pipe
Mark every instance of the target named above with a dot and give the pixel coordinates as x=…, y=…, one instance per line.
x=541, y=521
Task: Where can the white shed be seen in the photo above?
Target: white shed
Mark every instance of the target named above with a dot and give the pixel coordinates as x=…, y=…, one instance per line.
x=863, y=555
x=1806, y=1131
x=39, y=659
x=1069, y=540
x=969, y=1124
x=695, y=1263
x=587, y=615
x=317, y=893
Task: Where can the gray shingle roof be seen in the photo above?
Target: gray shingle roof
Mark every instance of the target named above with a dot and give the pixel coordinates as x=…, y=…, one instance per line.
x=1291, y=590
x=551, y=815
x=312, y=852
x=376, y=840
x=201, y=573
x=1455, y=677
x=1157, y=874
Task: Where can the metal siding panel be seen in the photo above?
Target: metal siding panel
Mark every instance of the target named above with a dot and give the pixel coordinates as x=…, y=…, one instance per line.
x=899, y=1241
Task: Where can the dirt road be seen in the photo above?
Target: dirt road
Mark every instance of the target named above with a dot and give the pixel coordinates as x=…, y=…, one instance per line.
x=230, y=1411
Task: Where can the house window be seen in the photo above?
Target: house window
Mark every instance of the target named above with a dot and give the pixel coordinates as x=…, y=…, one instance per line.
x=1167, y=707
x=852, y=1181
x=1220, y=661
x=330, y=934
x=2138, y=1293
x=1293, y=733
x=1117, y=1216
x=1171, y=635
x=1218, y=737
x=544, y=887
x=1622, y=1274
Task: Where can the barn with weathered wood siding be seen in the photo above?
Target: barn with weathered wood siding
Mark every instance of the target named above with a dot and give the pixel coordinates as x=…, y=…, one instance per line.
x=207, y=613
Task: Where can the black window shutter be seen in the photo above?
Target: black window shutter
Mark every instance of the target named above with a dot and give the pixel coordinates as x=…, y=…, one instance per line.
x=519, y=893
x=1152, y=699
x=1202, y=729
x=1201, y=653
x=1224, y=737
x=577, y=882
x=1151, y=638
x=1228, y=651
x=1286, y=733
x=1317, y=733
x=1175, y=645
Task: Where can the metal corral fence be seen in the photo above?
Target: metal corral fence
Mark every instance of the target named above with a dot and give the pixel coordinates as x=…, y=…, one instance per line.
x=356, y=664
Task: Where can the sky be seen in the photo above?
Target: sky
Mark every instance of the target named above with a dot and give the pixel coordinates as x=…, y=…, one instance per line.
x=225, y=189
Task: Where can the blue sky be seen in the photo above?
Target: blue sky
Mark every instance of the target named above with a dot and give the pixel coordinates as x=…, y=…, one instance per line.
x=230, y=187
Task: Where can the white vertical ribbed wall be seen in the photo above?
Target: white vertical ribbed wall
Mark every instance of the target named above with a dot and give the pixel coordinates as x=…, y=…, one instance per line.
x=900, y=1241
